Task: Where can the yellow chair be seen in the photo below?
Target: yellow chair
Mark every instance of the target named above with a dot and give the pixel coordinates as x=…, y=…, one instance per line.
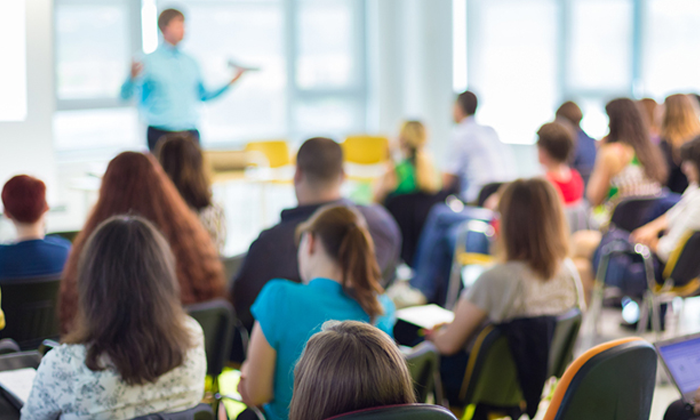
x=366, y=150
x=275, y=151
x=226, y=165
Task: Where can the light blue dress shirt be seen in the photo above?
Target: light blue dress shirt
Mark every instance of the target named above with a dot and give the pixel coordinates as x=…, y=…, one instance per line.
x=169, y=89
x=290, y=313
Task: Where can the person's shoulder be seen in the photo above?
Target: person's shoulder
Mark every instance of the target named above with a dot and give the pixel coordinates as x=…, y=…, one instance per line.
x=280, y=287
x=195, y=330
x=505, y=272
x=65, y=355
x=58, y=241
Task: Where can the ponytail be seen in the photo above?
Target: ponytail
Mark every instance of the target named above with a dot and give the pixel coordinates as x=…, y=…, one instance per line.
x=344, y=236
x=360, y=270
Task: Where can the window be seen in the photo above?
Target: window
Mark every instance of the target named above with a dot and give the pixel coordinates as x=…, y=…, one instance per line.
x=13, y=72
x=310, y=55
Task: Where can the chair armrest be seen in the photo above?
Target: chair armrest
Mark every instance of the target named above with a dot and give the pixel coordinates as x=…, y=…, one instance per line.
x=47, y=345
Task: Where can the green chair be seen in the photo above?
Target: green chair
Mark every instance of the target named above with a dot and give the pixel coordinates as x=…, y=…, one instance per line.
x=561, y=351
x=423, y=363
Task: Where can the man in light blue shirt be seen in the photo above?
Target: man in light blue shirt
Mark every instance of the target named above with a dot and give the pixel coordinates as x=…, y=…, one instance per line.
x=168, y=83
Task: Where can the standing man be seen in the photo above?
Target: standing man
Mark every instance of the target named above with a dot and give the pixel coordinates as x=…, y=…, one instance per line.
x=169, y=83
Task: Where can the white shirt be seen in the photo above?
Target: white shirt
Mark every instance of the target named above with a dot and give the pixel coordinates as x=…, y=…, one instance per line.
x=478, y=157
x=683, y=217
x=67, y=389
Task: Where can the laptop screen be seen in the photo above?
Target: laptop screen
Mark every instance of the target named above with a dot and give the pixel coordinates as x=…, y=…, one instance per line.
x=683, y=361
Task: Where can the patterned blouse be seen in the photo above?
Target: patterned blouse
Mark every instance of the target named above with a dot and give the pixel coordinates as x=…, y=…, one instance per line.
x=65, y=388
x=213, y=219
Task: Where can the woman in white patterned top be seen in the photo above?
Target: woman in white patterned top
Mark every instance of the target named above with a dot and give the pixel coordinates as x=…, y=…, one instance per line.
x=134, y=351
x=181, y=158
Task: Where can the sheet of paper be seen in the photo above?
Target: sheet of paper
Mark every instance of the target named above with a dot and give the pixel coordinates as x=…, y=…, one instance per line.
x=18, y=382
x=426, y=316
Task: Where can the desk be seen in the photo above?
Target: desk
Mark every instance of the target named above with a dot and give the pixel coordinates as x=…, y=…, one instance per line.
x=11, y=362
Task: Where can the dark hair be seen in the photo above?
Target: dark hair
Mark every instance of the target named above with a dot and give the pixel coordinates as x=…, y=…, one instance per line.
x=24, y=198
x=320, y=160
x=181, y=158
x=166, y=16
x=557, y=140
x=135, y=183
x=627, y=126
x=571, y=112
x=345, y=238
x=348, y=366
x=129, y=302
x=690, y=151
x=468, y=102
x=533, y=227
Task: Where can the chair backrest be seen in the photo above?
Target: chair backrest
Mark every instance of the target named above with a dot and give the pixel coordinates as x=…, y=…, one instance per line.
x=632, y=213
x=217, y=320
x=21, y=360
x=399, y=412
x=561, y=351
x=232, y=266
x=614, y=380
x=276, y=152
x=365, y=150
x=423, y=363
x=200, y=412
x=683, y=264
x=30, y=306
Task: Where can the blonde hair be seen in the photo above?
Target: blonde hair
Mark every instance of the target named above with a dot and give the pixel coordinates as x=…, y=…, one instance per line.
x=533, y=227
x=680, y=121
x=413, y=136
x=348, y=366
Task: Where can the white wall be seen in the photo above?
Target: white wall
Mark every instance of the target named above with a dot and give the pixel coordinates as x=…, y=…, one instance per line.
x=26, y=147
x=410, y=60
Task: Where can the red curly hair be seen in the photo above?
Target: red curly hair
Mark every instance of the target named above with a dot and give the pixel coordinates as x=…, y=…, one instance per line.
x=134, y=183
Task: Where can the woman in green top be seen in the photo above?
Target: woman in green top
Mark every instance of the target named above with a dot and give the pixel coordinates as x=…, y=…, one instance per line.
x=415, y=171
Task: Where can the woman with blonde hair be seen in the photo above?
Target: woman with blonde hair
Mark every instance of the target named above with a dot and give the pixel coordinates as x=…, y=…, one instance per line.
x=415, y=172
x=340, y=277
x=679, y=125
x=535, y=277
x=349, y=366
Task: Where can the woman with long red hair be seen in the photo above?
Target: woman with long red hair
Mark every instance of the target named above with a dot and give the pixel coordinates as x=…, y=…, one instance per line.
x=134, y=183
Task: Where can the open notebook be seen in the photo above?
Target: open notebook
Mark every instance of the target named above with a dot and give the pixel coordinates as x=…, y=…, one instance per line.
x=16, y=385
x=425, y=316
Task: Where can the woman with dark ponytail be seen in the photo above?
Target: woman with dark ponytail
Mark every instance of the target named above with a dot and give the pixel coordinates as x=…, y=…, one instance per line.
x=340, y=279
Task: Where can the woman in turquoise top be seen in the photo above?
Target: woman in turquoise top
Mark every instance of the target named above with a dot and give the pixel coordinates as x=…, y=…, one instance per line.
x=340, y=282
x=415, y=171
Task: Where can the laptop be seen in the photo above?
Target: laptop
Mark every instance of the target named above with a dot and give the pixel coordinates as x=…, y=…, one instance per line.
x=681, y=358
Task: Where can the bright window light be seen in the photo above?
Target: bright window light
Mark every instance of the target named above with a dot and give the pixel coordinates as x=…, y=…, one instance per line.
x=13, y=71
x=149, y=26
x=459, y=45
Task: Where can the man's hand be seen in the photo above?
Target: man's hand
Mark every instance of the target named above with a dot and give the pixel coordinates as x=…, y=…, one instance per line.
x=136, y=69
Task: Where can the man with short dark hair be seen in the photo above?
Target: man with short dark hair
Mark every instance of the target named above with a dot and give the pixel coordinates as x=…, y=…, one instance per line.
x=583, y=157
x=317, y=181
x=477, y=157
x=169, y=83
x=32, y=254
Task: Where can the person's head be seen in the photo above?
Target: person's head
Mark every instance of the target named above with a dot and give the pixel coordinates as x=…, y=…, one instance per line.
x=348, y=366
x=690, y=158
x=24, y=200
x=649, y=109
x=533, y=227
x=181, y=158
x=570, y=112
x=129, y=302
x=680, y=121
x=412, y=137
x=336, y=237
x=555, y=143
x=171, y=23
x=628, y=126
x=319, y=171
x=134, y=183
x=465, y=105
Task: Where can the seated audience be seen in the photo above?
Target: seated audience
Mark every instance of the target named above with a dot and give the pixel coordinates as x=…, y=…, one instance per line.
x=664, y=234
x=554, y=146
x=476, y=155
x=650, y=114
x=317, y=181
x=33, y=253
x=135, y=183
x=415, y=171
x=340, y=279
x=181, y=158
x=348, y=366
x=583, y=157
x=628, y=165
x=535, y=279
x=680, y=124
x=133, y=350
